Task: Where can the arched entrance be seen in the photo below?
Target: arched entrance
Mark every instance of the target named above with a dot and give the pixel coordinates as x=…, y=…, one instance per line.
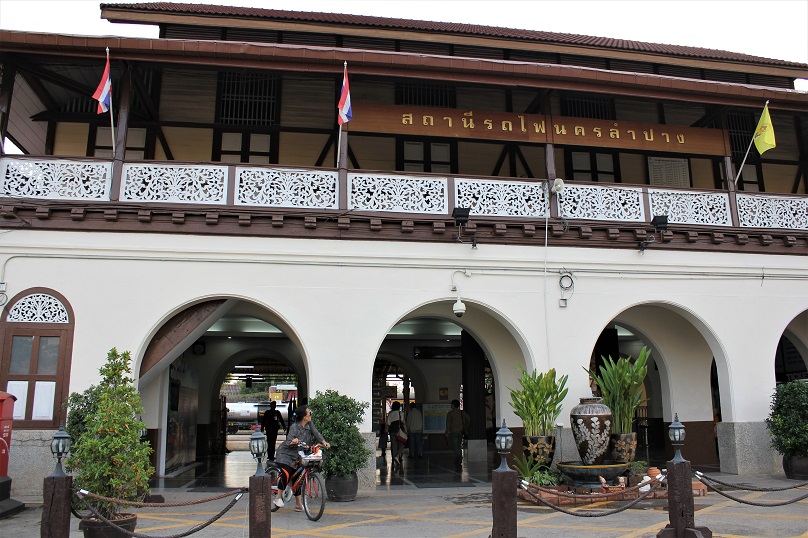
x=791, y=357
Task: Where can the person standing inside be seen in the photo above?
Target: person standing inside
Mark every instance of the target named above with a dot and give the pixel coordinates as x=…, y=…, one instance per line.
x=395, y=421
x=271, y=422
x=415, y=429
x=457, y=423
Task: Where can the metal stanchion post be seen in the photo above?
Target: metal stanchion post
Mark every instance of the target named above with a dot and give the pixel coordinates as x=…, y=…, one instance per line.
x=503, y=489
x=680, y=492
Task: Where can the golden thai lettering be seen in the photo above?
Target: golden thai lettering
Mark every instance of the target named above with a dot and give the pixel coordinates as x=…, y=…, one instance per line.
x=633, y=133
x=448, y=119
x=598, y=132
x=680, y=138
x=649, y=135
x=406, y=119
x=507, y=125
x=614, y=133
x=560, y=129
x=667, y=137
x=489, y=124
x=429, y=120
x=468, y=121
x=539, y=127
x=522, y=124
x=580, y=131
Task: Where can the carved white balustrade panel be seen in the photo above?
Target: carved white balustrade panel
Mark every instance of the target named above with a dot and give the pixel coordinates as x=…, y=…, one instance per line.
x=502, y=198
x=276, y=187
x=376, y=192
x=601, y=203
x=760, y=211
x=61, y=180
x=186, y=184
x=691, y=207
x=38, y=308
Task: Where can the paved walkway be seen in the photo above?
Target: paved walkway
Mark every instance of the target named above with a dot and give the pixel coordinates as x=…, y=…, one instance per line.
x=430, y=497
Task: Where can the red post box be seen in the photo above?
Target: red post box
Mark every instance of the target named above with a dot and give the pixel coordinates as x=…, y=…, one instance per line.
x=6, y=416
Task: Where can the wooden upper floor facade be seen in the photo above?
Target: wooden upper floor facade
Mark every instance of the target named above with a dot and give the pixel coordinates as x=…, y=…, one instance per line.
x=227, y=124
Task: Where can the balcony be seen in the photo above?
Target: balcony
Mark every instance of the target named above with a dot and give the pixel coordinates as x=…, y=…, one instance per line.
x=215, y=191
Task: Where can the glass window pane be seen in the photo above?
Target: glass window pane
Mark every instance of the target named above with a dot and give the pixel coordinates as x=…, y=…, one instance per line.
x=259, y=142
x=20, y=390
x=103, y=154
x=48, y=358
x=413, y=167
x=605, y=162
x=44, y=396
x=135, y=138
x=21, y=348
x=582, y=176
x=103, y=136
x=231, y=158
x=441, y=168
x=413, y=151
x=441, y=153
x=259, y=159
x=231, y=141
x=580, y=161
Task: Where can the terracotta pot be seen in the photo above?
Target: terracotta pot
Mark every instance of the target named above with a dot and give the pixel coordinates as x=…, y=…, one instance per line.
x=591, y=422
x=653, y=472
x=623, y=447
x=539, y=449
x=795, y=467
x=95, y=528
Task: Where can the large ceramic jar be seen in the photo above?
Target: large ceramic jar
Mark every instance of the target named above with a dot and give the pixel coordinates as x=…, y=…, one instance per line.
x=591, y=422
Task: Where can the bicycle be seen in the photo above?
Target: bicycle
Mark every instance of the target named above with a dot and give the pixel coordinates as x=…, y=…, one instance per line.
x=307, y=476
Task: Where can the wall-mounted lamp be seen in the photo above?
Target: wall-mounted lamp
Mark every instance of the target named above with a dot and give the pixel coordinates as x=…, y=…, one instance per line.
x=461, y=217
x=660, y=223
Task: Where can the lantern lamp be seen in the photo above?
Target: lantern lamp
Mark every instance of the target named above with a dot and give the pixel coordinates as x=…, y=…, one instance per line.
x=676, y=433
x=503, y=441
x=60, y=446
x=258, y=447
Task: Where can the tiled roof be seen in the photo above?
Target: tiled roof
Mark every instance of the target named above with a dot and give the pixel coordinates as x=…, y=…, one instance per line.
x=449, y=28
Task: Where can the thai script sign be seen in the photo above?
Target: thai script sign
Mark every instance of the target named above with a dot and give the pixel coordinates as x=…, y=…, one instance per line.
x=536, y=128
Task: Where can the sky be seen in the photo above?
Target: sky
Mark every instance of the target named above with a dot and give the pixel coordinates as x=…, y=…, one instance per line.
x=773, y=29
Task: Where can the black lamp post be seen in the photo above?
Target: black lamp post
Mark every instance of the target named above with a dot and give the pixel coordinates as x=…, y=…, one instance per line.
x=676, y=433
x=258, y=447
x=503, y=441
x=60, y=446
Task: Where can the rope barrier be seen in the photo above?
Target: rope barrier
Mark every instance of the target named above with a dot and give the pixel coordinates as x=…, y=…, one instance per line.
x=752, y=503
x=81, y=494
x=701, y=475
x=591, y=514
x=160, y=505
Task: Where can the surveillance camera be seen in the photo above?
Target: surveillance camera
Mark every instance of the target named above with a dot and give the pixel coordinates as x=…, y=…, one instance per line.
x=459, y=308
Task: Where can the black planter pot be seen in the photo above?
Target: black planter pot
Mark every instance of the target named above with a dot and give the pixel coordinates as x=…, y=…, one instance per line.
x=795, y=467
x=539, y=449
x=95, y=528
x=342, y=488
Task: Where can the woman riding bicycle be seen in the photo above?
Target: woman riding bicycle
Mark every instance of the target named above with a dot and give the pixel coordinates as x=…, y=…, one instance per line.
x=301, y=431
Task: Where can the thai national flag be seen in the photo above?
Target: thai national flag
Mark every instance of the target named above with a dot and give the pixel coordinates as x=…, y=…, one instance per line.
x=103, y=94
x=344, y=106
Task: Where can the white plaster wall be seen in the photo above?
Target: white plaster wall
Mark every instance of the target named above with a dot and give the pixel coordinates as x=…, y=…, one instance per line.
x=339, y=299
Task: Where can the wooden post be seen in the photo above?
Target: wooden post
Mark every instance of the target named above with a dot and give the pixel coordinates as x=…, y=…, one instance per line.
x=680, y=504
x=503, y=502
x=260, y=509
x=56, y=507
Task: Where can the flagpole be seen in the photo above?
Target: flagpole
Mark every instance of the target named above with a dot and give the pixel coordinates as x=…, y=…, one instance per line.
x=111, y=119
x=743, y=162
x=339, y=132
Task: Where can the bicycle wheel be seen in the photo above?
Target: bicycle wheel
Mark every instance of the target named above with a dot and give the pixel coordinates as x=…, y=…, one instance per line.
x=274, y=473
x=314, y=496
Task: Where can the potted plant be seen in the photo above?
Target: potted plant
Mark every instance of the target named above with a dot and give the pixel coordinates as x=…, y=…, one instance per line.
x=538, y=404
x=337, y=417
x=788, y=427
x=621, y=387
x=108, y=457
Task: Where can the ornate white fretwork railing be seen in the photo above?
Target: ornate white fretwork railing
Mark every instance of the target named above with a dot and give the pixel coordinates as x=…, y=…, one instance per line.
x=601, y=203
x=404, y=194
x=276, y=187
x=502, y=198
x=58, y=179
x=707, y=208
x=185, y=184
x=762, y=211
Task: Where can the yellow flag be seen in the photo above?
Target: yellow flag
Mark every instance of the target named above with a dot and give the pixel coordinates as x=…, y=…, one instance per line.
x=764, y=134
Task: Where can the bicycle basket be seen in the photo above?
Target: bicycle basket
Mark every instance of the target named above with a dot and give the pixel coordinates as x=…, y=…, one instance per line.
x=308, y=460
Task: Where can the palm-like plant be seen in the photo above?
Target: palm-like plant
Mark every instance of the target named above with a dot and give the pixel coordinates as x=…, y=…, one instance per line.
x=620, y=384
x=538, y=403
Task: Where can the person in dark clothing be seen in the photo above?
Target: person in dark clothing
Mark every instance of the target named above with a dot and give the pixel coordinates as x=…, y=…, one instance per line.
x=271, y=422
